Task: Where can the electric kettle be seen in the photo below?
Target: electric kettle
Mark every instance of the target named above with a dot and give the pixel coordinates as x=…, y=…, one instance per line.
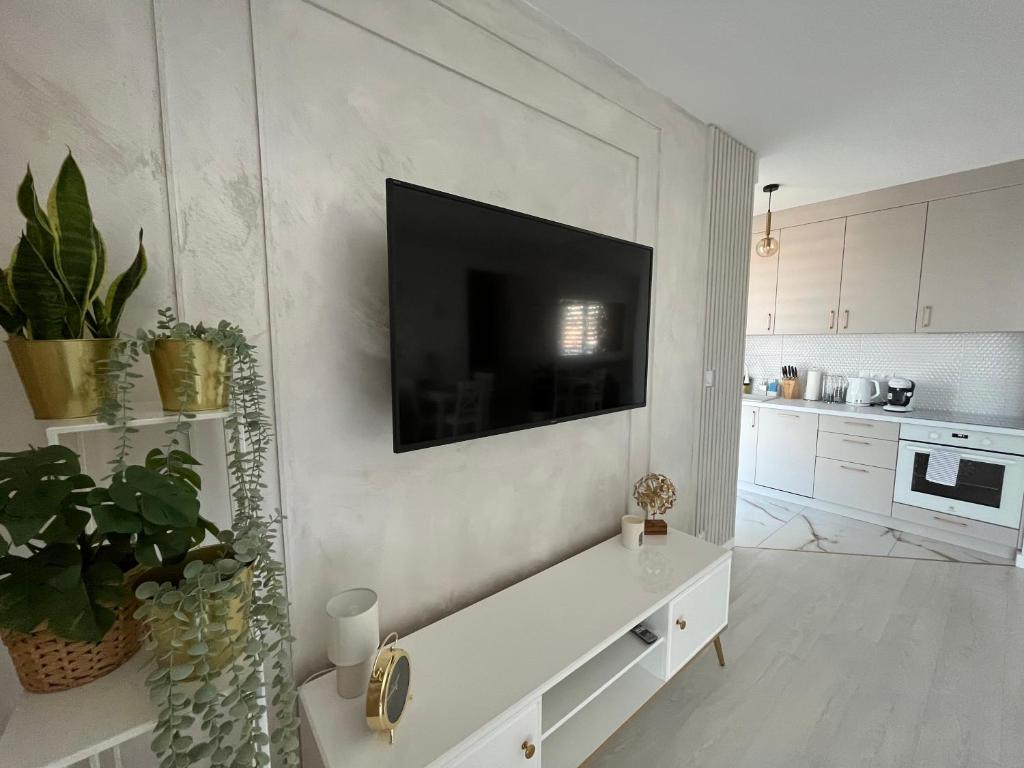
x=862, y=391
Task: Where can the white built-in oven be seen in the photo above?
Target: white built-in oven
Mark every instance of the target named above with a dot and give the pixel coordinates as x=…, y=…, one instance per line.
x=984, y=482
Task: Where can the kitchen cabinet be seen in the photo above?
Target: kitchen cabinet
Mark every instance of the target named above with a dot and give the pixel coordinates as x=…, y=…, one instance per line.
x=854, y=485
x=786, y=450
x=881, y=271
x=971, y=276
x=748, y=444
x=810, y=269
x=764, y=278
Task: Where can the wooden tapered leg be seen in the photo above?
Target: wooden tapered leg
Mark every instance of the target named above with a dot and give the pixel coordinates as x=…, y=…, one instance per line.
x=719, y=651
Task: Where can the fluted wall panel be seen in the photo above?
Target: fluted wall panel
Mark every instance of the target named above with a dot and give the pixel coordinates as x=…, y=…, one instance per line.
x=731, y=176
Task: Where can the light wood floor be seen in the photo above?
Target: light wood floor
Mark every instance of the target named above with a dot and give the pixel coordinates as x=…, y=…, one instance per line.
x=847, y=660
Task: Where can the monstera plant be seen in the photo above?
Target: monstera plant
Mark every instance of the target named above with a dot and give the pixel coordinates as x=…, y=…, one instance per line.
x=52, y=291
x=70, y=549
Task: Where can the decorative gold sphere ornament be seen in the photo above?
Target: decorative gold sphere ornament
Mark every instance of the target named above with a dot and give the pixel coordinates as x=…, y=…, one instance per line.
x=655, y=495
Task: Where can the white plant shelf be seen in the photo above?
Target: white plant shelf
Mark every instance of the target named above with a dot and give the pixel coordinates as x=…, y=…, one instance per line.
x=145, y=416
x=54, y=730
x=582, y=686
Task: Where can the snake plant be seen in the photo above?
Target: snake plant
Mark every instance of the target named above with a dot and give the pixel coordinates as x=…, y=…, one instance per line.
x=51, y=288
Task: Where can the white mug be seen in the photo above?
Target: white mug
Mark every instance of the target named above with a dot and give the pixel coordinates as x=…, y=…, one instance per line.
x=632, y=531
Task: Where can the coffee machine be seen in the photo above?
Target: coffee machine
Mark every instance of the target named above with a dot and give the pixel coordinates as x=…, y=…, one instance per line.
x=899, y=395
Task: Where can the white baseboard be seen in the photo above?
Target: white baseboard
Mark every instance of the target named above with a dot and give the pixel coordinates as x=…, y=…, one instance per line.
x=887, y=521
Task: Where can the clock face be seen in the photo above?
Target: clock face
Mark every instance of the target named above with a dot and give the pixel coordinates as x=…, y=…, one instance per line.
x=398, y=689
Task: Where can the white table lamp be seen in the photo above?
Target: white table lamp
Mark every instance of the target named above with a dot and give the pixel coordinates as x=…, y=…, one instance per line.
x=353, y=640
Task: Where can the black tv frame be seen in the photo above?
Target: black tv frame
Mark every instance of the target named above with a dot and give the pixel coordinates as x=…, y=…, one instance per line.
x=396, y=447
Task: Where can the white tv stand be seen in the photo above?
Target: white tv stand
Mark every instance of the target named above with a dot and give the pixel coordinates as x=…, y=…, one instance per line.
x=548, y=663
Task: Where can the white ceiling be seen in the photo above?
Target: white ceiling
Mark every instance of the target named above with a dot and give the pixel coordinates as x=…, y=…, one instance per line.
x=836, y=96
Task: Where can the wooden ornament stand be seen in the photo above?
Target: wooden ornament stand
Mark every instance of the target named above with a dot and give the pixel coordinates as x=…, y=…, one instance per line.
x=655, y=528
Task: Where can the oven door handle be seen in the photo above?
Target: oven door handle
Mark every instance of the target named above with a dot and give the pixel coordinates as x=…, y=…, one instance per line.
x=984, y=457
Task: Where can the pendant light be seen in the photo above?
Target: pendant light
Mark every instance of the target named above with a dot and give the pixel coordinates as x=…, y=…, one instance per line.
x=768, y=246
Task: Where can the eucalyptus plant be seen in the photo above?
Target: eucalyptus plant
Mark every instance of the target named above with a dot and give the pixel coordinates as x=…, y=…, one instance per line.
x=52, y=287
x=232, y=700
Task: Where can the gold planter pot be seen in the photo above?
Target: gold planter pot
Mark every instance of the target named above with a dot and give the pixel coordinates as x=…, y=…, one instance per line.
x=62, y=377
x=213, y=374
x=166, y=626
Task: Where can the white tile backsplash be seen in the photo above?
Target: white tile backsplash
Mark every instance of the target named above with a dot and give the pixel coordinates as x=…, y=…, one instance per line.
x=979, y=373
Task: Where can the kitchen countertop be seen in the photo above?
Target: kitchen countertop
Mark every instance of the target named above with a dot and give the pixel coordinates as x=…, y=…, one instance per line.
x=997, y=424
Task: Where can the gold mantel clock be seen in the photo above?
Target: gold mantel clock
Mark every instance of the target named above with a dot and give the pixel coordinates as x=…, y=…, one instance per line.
x=388, y=692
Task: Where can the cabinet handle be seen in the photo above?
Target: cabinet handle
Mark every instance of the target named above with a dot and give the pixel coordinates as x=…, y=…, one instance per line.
x=831, y=319
x=681, y=623
x=951, y=522
x=846, y=318
x=528, y=749
x=769, y=322
x=859, y=424
x=753, y=418
x=856, y=442
x=853, y=469
x=789, y=415
x=926, y=316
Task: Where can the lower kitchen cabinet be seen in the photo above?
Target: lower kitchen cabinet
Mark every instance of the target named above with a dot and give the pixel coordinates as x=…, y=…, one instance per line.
x=856, y=485
x=786, y=450
x=748, y=444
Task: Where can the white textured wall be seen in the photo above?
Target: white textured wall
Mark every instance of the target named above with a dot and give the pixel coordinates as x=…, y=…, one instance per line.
x=253, y=142
x=977, y=373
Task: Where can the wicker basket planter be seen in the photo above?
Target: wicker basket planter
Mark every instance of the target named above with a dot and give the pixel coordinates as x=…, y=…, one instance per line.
x=45, y=663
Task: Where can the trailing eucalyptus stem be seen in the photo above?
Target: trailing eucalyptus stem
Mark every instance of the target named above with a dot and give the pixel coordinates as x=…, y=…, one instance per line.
x=115, y=408
x=192, y=627
x=249, y=434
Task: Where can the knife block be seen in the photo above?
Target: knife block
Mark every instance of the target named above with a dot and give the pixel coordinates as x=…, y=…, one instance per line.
x=790, y=389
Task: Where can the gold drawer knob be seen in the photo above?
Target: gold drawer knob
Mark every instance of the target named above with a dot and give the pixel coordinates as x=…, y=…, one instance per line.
x=528, y=749
x=681, y=623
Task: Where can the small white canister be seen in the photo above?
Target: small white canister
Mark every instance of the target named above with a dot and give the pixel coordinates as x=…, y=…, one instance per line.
x=632, y=531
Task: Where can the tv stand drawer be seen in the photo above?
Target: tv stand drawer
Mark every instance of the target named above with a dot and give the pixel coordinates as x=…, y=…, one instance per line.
x=697, y=616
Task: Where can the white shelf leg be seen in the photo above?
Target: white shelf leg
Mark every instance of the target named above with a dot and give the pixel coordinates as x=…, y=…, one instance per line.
x=117, y=756
x=94, y=761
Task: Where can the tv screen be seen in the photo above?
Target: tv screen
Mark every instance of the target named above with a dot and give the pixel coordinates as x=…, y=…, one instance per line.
x=504, y=321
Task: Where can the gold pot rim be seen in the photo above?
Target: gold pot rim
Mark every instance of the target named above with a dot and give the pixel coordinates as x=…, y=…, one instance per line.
x=184, y=341
x=18, y=339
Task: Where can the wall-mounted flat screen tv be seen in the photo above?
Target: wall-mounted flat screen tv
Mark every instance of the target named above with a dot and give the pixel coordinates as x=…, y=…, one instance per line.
x=503, y=321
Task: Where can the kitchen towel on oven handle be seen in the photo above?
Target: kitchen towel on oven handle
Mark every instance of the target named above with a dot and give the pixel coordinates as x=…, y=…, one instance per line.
x=943, y=468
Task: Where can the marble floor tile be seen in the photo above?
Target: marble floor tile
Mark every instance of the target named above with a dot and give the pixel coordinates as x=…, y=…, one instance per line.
x=921, y=548
x=769, y=523
x=757, y=517
x=812, y=530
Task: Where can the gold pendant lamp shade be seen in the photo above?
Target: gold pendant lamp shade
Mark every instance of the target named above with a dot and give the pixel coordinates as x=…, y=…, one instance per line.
x=768, y=246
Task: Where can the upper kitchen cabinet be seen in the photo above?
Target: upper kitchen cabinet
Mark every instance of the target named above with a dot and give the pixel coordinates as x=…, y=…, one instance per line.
x=810, y=268
x=764, y=279
x=972, y=278
x=881, y=270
